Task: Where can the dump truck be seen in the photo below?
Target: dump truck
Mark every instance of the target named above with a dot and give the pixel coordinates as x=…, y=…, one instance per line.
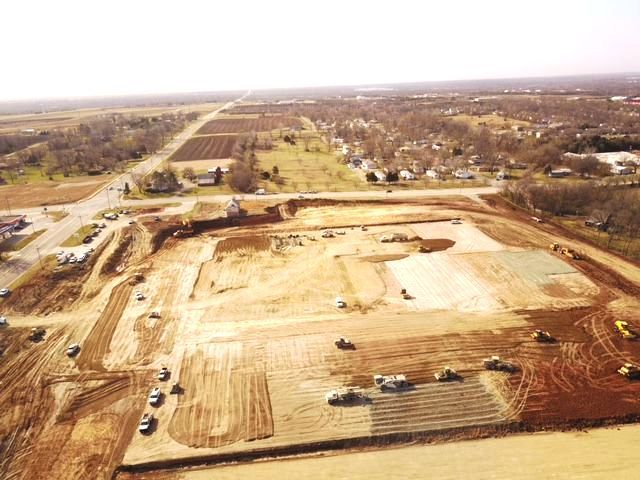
x=154, y=315
x=390, y=382
x=344, y=343
x=37, y=334
x=494, y=363
x=185, y=230
x=541, y=336
x=622, y=328
x=145, y=423
x=447, y=373
x=630, y=371
x=344, y=394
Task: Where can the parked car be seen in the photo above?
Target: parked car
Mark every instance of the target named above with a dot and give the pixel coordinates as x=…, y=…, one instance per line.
x=73, y=349
x=4, y=292
x=154, y=396
x=163, y=374
x=145, y=423
x=3, y=320
x=139, y=296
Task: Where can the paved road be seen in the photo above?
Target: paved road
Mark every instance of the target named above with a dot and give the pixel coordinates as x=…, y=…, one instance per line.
x=82, y=212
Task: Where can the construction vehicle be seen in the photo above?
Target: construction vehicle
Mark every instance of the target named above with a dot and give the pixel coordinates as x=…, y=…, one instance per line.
x=363, y=228
x=72, y=350
x=569, y=252
x=340, y=303
x=154, y=396
x=630, y=371
x=423, y=249
x=344, y=394
x=136, y=278
x=154, y=315
x=384, y=239
x=139, y=295
x=554, y=247
x=163, y=374
x=145, y=423
x=456, y=221
x=175, y=388
x=327, y=234
x=186, y=230
x=447, y=373
x=622, y=328
x=494, y=363
x=541, y=336
x=405, y=295
x=344, y=343
x=390, y=382
x=37, y=334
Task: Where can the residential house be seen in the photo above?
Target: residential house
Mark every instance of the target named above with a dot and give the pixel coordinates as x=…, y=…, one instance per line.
x=407, y=175
x=206, y=179
x=433, y=174
x=381, y=176
x=232, y=209
x=463, y=174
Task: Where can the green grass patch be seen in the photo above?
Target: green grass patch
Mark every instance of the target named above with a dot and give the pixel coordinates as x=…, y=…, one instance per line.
x=57, y=215
x=76, y=239
x=34, y=175
x=23, y=242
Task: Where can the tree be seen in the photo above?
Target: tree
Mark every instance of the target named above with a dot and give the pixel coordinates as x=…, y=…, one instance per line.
x=371, y=177
x=392, y=177
x=217, y=176
x=189, y=173
x=275, y=170
x=138, y=181
x=241, y=178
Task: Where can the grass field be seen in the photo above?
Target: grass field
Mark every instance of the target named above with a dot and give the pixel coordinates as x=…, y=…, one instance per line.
x=76, y=239
x=622, y=245
x=491, y=121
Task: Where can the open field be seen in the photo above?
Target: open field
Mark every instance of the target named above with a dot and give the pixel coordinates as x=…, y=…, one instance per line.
x=205, y=148
x=72, y=118
x=49, y=193
x=247, y=323
x=491, y=121
x=248, y=124
x=202, y=166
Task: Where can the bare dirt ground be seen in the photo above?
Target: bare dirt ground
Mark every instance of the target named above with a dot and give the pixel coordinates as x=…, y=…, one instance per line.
x=260, y=124
x=205, y=148
x=48, y=193
x=247, y=324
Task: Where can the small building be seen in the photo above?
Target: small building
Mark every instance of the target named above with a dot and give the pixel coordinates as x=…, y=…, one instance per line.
x=381, y=176
x=407, y=175
x=559, y=173
x=346, y=149
x=369, y=165
x=232, y=209
x=206, y=179
x=622, y=170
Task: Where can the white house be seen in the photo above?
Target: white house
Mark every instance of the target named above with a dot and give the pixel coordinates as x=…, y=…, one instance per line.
x=432, y=174
x=232, y=209
x=463, y=174
x=369, y=165
x=407, y=175
x=381, y=176
x=346, y=149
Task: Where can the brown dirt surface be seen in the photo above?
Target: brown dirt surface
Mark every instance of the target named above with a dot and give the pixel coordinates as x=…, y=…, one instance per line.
x=205, y=148
x=49, y=193
x=240, y=125
x=437, y=244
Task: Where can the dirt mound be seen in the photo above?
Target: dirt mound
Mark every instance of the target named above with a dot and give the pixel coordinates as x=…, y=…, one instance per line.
x=437, y=244
x=242, y=245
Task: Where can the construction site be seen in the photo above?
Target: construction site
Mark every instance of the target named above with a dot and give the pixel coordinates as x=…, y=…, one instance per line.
x=309, y=327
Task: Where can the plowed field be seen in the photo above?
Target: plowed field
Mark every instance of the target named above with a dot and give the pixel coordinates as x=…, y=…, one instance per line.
x=205, y=148
x=240, y=125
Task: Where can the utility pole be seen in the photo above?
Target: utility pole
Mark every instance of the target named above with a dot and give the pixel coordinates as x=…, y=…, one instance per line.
x=80, y=217
x=6, y=199
x=108, y=199
x=33, y=225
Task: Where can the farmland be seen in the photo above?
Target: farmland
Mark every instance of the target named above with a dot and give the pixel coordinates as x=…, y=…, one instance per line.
x=205, y=148
x=247, y=323
x=248, y=124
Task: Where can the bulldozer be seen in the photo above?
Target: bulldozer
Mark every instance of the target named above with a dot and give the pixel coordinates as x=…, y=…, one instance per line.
x=541, y=336
x=494, y=363
x=630, y=371
x=37, y=334
x=447, y=373
x=344, y=343
x=405, y=295
x=390, y=382
x=136, y=278
x=186, y=230
x=569, y=252
x=622, y=328
x=344, y=394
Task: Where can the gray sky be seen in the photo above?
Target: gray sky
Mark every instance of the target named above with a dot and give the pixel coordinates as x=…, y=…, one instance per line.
x=77, y=48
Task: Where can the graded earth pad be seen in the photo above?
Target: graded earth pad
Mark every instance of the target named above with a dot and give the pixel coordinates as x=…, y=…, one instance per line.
x=247, y=323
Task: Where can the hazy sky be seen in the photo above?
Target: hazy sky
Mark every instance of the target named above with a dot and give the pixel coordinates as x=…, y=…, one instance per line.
x=75, y=48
